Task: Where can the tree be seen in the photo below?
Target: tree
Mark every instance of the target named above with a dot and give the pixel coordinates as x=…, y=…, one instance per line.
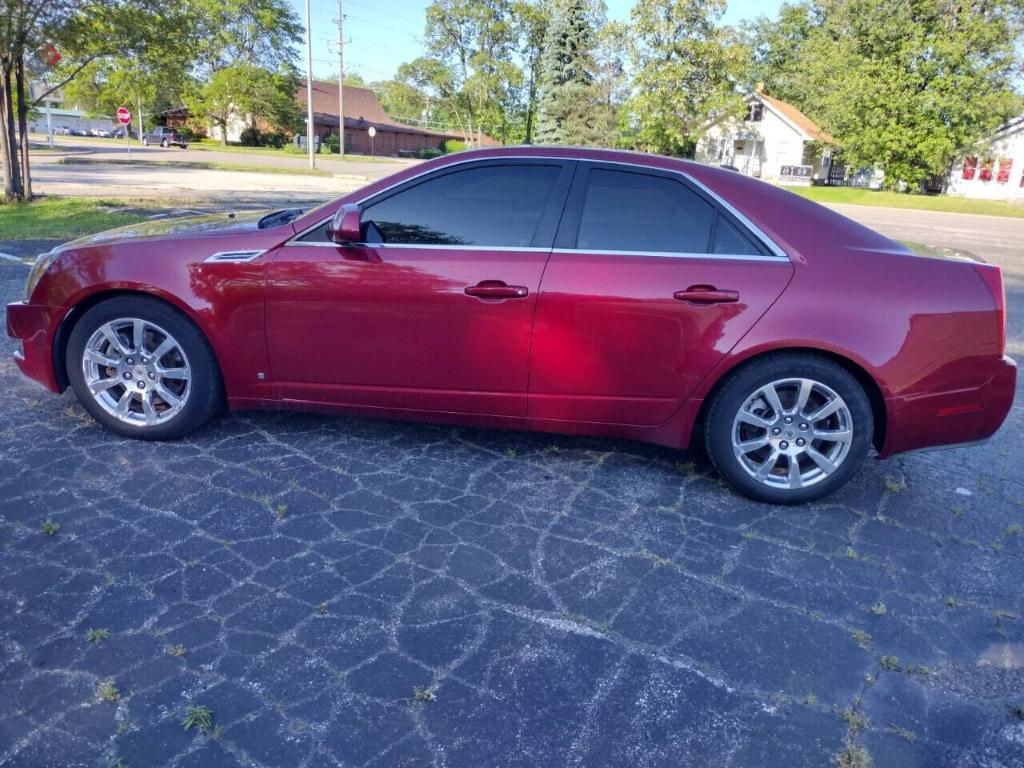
x=473, y=40
x=777, y=49
x=688, y=68
x=909, y=86
x=571, y=109
x=250, y=93
x=254, y=32
x=532, y=19
x=84, y=31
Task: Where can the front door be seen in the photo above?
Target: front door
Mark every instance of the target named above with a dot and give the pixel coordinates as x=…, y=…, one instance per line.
x=650, y=284
x=434, y=311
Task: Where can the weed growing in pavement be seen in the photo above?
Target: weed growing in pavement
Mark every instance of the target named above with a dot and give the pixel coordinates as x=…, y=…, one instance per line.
x=198, y=716
x=97, y=635
x=107, y=691
x=424, y=694
x=50, y=528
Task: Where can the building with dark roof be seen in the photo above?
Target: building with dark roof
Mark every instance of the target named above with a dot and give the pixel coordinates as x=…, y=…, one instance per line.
x=363, y=110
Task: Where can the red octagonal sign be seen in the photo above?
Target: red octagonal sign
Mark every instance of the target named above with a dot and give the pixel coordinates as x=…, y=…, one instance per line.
x=123, y=116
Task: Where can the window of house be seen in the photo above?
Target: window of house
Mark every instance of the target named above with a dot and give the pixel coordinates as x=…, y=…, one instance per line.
x=1003, y=175
x=625, y=211
x=497, y=205
x=986, y=170
x=970, y=168
x=755, y=112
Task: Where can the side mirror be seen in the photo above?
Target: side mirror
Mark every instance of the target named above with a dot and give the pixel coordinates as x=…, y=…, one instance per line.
x=345, y=227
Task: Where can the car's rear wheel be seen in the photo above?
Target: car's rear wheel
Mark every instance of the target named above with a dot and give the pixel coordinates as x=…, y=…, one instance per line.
x=142, y=369
x=164, y=144
x=145, y=143
x=789, y=428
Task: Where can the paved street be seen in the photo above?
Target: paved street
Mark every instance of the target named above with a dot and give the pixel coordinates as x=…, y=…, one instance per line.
x=101, y=169
x=363, y=593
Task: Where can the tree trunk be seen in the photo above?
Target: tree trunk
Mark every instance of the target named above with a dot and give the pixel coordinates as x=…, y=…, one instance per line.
x=12, y=178
x=6, y=170
x=26, y=173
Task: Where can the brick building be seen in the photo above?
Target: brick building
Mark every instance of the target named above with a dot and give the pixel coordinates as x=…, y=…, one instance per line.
x=362, y=109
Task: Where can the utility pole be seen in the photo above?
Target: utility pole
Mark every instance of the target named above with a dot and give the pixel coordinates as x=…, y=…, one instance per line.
x=309, y=92
x=341, y=81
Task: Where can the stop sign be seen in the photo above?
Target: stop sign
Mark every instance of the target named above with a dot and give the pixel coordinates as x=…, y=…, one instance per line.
x=123, y=116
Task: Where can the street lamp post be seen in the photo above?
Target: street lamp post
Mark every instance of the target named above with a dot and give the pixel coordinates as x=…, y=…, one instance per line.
x=309, y=92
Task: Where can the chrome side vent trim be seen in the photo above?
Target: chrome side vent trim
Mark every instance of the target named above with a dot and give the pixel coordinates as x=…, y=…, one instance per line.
x=232, y=256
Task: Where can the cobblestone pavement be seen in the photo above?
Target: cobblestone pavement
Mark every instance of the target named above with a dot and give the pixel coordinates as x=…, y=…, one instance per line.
x=361, y=593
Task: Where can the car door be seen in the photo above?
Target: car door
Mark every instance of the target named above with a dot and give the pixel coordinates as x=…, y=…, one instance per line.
x=651, y=282
x=434, y=310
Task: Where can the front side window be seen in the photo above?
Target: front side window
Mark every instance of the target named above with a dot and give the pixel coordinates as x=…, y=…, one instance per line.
x=496, y=205
x=625, y=211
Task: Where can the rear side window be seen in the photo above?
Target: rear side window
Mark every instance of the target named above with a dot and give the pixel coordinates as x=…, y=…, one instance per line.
x=625, y=211
x=728, y=239
x=498, y=205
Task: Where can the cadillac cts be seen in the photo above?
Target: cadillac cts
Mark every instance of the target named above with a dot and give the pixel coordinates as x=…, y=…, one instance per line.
x=563, y=290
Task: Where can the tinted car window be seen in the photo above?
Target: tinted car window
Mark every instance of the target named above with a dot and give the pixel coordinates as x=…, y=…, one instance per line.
x=728, y=239
x=497, y=205
x=625, y=211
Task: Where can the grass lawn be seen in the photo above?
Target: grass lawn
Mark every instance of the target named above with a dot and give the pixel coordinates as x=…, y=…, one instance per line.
x=209, y=145
x=68, y=217
x=857, y=196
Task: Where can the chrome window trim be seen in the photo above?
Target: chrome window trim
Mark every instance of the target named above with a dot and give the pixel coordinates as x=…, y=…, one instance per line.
x=753, y=229
x=425, y=246
x=673, y=254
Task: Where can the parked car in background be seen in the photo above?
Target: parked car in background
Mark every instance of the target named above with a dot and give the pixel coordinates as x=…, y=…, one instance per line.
x=560, y=290
x=102, y=133
x=165, y=137
x=63, y=130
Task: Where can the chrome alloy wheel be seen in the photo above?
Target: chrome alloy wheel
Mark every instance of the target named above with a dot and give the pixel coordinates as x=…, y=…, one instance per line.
x=792, y=433
x=136, y=371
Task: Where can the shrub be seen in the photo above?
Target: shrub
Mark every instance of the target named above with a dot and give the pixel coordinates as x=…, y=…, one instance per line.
x=332, y=143
x=452, y=145
x=250, y=137
x=428, y=153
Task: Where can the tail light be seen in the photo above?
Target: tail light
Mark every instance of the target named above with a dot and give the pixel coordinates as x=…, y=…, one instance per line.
x=993, y=278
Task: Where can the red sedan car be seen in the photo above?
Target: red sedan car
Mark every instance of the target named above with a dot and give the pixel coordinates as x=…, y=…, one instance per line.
x=562, y=290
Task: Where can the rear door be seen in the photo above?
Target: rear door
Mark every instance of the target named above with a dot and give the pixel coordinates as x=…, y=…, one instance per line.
x=434, y=310
x=651, y=282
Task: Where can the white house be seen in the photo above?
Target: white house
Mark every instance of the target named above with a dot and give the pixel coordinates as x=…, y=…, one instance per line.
x=997, y=173
x=774, y=140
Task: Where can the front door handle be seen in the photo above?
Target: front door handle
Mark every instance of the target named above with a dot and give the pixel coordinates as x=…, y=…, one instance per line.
x=497, y=289
x=706, y=294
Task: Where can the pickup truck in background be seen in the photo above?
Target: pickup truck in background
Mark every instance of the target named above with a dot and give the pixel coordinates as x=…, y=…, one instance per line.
x=165, y=137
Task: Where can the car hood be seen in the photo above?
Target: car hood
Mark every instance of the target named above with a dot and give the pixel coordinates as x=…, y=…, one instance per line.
x=207, y=225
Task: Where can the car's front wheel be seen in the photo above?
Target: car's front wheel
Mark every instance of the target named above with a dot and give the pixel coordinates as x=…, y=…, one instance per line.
x=789, y=428
x=164, y=144
x=142, y=369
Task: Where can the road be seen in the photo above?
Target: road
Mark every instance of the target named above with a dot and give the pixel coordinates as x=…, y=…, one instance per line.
x=117, y=179
x=343, y=592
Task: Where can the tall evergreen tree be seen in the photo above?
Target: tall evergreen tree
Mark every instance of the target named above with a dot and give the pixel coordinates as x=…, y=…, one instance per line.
x=571, y=110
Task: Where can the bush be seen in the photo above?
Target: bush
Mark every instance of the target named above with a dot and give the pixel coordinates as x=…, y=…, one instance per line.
x=332, y=143
x=452, y=145
x=428, y=153
x=275, y=139
x=250, y=137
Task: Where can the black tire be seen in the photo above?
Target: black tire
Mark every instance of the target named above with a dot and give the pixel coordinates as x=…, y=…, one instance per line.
x=206, y=390
x=743, y=383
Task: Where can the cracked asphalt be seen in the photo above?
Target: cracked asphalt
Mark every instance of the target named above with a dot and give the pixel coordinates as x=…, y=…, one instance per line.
x=342, y=592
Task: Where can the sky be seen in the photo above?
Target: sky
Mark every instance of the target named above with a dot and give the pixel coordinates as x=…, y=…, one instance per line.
x=382, y=34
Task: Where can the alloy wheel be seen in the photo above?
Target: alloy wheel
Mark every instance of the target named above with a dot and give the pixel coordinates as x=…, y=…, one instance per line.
x=136, y=371
x=792, y=433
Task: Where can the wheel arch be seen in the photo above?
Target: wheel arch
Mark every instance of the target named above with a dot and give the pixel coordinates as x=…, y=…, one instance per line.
x=84, y=304
x=872, y=389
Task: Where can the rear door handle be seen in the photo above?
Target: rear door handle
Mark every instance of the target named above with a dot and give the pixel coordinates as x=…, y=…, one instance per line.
x=706, y=294
x=497, y=289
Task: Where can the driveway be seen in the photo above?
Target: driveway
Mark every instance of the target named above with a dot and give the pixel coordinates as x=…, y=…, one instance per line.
x=363, y=593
